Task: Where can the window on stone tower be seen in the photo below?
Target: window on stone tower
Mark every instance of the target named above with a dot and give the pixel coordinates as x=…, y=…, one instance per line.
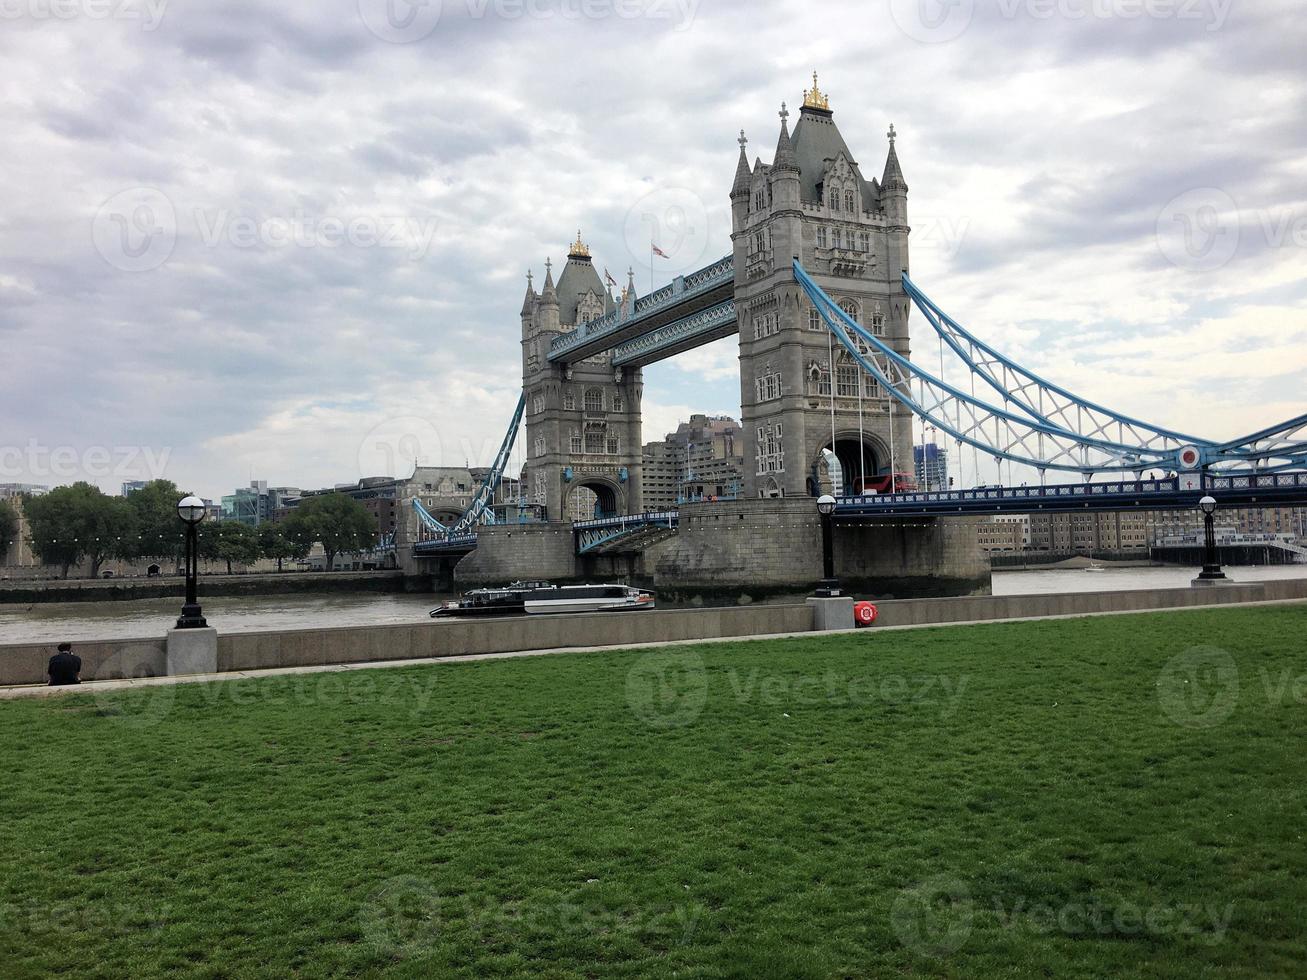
x=614, y=445
x=848, y=201
x=594, y=442
x=760, y=200
x=878, y=324
x=569, y=400
x=871, y=387
x=864, y=241
x=833, y=200
x=594, y=400
x=814, y=319
x=821, y=237
x=851, y=308
x=823, y=383
x=575, y=443
x=537, y=404
x=617, y=401
x=846, y=381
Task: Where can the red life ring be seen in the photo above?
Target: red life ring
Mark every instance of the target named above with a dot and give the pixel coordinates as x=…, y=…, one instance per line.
x=864, y=613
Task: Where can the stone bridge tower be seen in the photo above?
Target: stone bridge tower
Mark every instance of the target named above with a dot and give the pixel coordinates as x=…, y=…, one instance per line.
x=582, y=420
x=813, y=203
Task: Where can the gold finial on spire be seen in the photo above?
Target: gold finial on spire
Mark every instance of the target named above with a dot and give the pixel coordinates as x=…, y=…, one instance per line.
x=579, y=249
x=816, y=99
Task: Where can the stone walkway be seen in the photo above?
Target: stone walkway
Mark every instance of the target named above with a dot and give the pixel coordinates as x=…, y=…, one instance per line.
x=95, y=687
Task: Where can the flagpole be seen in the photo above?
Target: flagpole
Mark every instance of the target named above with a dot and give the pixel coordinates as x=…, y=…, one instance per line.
x=651, y=266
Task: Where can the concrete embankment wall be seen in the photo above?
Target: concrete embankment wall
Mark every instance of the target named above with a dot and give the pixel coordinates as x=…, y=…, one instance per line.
x=282, y=583
x=25, y=663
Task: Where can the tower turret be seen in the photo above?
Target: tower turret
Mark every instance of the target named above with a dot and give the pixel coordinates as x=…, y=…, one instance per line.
x=549, y=301
x=528, y=306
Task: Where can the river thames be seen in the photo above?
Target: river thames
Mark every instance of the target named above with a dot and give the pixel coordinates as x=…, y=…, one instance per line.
x=53, y=622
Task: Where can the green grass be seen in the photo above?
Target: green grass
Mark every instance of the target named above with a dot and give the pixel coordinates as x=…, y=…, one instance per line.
x=1095, y=797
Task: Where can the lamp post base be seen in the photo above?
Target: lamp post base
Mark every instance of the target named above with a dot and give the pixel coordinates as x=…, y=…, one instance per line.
x=1211, y=575
x=192, y=618
x=828, y=589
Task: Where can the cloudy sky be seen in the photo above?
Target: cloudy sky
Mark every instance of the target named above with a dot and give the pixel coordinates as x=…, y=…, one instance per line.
x=288, y=241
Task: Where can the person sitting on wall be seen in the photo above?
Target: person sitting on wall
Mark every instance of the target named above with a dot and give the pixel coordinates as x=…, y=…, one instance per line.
x=65, y=667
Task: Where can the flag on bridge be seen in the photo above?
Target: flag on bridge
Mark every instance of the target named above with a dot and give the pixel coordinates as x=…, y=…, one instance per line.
x=608, y=277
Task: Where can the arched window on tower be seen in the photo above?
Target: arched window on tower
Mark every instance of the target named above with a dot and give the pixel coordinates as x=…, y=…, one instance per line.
x=848, y=201
x=594, y=400
x=851, y=308
x=833, y=199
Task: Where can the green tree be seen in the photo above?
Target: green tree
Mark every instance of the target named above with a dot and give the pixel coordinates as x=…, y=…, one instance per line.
x=279, y=542
x=229, y=541
x=8, y=525
x=75, y=523
x=339, y=522
x=161, y=535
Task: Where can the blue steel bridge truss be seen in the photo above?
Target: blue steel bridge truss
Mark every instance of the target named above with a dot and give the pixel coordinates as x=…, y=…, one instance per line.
x=1030, y=421
x=1041, y=424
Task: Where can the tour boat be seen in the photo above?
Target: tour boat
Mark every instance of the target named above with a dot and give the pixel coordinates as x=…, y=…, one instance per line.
x=542, y=597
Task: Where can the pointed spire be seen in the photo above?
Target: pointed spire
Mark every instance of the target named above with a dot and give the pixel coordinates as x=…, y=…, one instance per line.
x=893, y=177
x=528, y=304
x=785, y=158
x=742, y=173
x=549, y=295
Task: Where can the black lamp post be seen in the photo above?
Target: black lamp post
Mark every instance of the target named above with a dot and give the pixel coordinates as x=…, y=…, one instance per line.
x=1211, y=567
x=830, y=588
x=191, y=510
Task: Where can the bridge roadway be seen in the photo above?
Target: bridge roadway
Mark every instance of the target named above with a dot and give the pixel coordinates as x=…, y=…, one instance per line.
x=615, y=534
x=1269, y=490
x=693, y=307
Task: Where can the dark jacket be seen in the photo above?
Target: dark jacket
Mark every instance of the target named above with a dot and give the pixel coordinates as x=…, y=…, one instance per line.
x=64, y=668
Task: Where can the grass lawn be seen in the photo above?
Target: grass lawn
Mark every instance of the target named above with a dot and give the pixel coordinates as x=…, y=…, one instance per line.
x=1119, y=796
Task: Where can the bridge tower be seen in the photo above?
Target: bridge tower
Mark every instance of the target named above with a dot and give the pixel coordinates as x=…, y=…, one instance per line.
x=813, y=203
x=582, y=419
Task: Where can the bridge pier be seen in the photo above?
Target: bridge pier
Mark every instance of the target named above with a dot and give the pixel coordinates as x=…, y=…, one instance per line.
x=512, y=552
x=752, y=549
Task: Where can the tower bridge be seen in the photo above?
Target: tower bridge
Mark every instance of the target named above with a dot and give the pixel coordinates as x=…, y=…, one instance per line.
x=818, y=290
